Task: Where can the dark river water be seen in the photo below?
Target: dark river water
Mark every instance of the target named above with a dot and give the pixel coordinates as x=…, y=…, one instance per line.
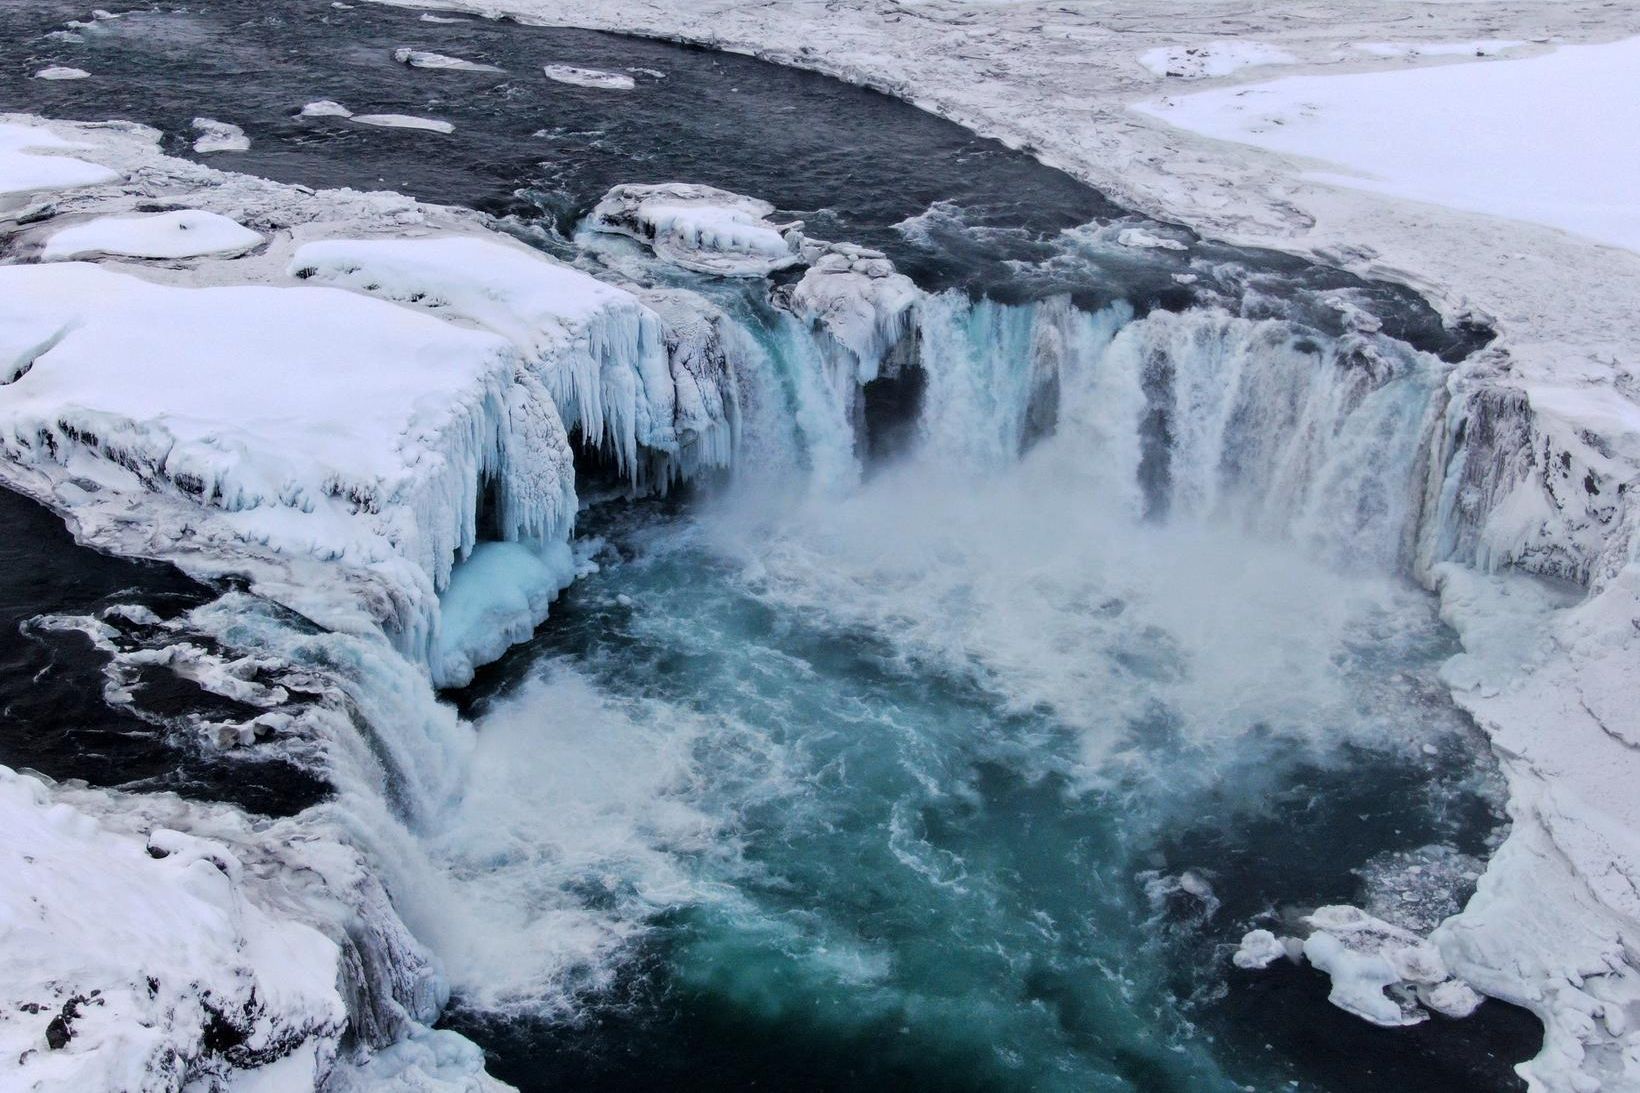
x=1130, y=987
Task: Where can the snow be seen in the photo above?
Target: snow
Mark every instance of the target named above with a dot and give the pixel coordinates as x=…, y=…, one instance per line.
x=700, y=228
x=121, y=952
x=61, y=72
x=404, y=121
x=219, y=136
x=325, y=108
x=590, y=77
x=594, y=347
x=1553, y=139
x=1212, y=59
x=419, y=58
x=24, y=172
x=1483, y=48
x=187, y=233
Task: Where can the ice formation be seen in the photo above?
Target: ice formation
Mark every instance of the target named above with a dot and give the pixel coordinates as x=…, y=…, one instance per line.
x=421, y=58
x=219, y=136
x=402, y=121
x=590, y=77
x=701, y=228
x=186, y=233
x=860, y=301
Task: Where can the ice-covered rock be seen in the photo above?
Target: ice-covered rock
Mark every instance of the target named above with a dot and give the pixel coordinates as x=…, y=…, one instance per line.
x=219, y=136
x=590, y=77
x=860, y=301
x=292, y=426
x=24, y=171
x=143, y=964
x=597, y=350
x=701, y=228
x=61, y=72
x=186, y=233
x=404, y=121
x=421, y=58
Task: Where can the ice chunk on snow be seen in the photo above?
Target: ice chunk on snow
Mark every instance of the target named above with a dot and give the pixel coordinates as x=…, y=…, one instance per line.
x=1540, y=151
x=22, y=172
x=420, y=58
x=187, y=233
x=598, y=351
x=590, y=77
x=859, y=300
x=1259, y=949
x=404, y=121
x=219, y=136
x=61, y=72
x=121, y=958
x=496, y=598
x=325, y=108
x=1212, y=59
x=700, y=228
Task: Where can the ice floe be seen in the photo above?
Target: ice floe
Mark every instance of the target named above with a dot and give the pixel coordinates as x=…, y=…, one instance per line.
x=404, y=121
x=219, y=136
x=421, y=58
x=325, y=108
x=61, y=72
x=186, y=233
x=25, y=171
x=590, y=77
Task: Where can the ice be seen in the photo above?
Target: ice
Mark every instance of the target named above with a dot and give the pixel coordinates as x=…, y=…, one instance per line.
x=368, y=449
x=1259, y=949
x=131, y=963
x=1481, y=48
x=219, y=136
x=61, y=72
x=496, y=599
x=600, y=352
x=1148, y=240
x=1212, y=58
x=857, y=298
x=23, y=172
x=404, y=121
x=700, y=228
x=590, y=77
x=1381, y=972
x=1545, y=155
x=420, y=58
x=186, y=233
x=325, y=108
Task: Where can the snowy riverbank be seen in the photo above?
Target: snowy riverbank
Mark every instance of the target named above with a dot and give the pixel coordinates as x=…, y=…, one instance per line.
x=1542, y=444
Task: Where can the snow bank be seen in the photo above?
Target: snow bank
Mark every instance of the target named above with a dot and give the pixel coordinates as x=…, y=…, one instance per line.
x=61, y=72
x=1553, y=139
x=23, y=172
x=1212, y=59
x=700, y=228
x=590, y=77
x=139, y=964
x=187, y=233
x=594, y=347
x=404, y=121
x=420, y=58
x=219, y=136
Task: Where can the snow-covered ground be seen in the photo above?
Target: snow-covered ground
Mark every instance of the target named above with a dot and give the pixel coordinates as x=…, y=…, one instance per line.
x=1541, y=448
